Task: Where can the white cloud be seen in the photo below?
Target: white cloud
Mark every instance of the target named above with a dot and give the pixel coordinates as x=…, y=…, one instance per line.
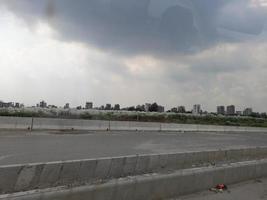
x=35, y=65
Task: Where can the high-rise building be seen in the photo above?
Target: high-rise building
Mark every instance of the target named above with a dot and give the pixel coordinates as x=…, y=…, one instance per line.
x=248, y=112
x=160, y=108
x=147, y=106
x=67, y=106
x=117, y=107
x=89, y=105
x=230, y=110
x=220, y=110
x=196, y=109
x=43, y=104
x=108, y=106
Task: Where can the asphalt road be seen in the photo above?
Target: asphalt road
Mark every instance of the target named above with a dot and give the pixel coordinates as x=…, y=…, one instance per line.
x=21, y=147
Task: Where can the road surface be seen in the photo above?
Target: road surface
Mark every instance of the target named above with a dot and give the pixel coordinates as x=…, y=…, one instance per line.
x=21, y=147
x=252, y=190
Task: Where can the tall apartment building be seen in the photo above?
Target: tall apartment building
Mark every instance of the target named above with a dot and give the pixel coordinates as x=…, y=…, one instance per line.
x=196, y=109
x=67, y=106
x=220, y=110
x=89, y=105
x=147, y=106
x=230, y=110
x=43, y=104
x=108, y=106
x=117, y=107
x=160, y=108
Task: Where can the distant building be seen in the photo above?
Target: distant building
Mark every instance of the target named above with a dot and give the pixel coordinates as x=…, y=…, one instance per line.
x=248, y=112
x=181, y=109
x=89, y=105
x=147, y=107
x=230, y=110
x=17, y=105
x=220, y=110
x=43, y=104
x=108, y=106
x=52, y=106
x=239, y=113
x=140, y=108
x=67, y=106
x=175, y=110
x=196, y=109
x=6, y=105
x=79, y=107
x=160, y=108
x=117, y=107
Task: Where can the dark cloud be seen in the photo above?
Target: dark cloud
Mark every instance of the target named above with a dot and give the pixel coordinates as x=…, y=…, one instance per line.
x=130, y=27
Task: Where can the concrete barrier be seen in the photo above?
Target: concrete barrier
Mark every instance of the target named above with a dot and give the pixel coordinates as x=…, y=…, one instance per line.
x=15, y=123
x=100, y=125
x=16, y=178
x=154, y=186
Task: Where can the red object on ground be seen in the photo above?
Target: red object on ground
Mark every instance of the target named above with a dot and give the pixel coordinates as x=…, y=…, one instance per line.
x=221, y=186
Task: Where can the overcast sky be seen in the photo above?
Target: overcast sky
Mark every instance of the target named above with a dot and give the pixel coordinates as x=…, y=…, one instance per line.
x=174, y=52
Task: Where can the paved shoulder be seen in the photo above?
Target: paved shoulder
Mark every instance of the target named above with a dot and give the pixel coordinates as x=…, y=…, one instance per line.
x=252, y=190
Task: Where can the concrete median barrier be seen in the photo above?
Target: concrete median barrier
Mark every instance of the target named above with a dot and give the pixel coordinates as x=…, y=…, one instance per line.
x=19, y=123
x=17, y=178
x=154, y=186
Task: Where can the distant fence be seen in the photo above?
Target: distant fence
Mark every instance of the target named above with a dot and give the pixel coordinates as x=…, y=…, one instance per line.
x=24, y=123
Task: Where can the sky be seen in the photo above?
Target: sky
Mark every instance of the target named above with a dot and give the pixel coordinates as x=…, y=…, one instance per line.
x=173, y=52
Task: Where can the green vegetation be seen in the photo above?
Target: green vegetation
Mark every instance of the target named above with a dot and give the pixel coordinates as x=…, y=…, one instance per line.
x=142, y=116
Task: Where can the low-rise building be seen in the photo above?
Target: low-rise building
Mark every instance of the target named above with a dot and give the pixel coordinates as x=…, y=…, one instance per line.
x=6, y=105
x=239, y=113
x=175, y=110
x=79, y=107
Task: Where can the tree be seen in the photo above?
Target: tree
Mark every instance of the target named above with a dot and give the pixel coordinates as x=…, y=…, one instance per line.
x=153, y=107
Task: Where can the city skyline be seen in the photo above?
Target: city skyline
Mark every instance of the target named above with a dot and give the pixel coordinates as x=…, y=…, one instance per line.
x=195, y=109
